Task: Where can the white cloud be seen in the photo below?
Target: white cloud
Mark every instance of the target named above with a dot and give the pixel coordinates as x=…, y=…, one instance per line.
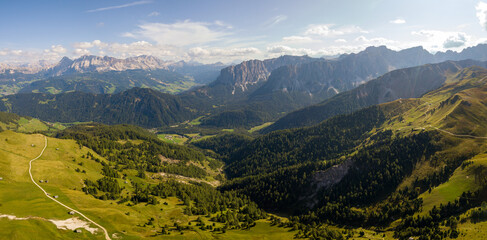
x=435, y=40
x=455, y=41
x=330, y=30
x=481, y=9
x=278, y=50
x=398, y=21
x=375, y=41
x=87, y=45
x=153, y=14
x=222, y=24
x=58, y=49
x=81, y=52
x=340, y=40
x=19, y=56
x=297, y=39
x=17, y=52
x=119, y=6
x=286, y=50
x=83, y=45
x=140, y=48
x=179, y=33
x=201, y=53
x=275, y=20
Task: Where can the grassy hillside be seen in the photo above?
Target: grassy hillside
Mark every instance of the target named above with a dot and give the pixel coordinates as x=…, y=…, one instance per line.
x=11, y=121
x=66, y=165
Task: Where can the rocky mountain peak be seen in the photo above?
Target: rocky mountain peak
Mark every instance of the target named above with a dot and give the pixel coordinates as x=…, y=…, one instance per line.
x=249, y=74
x=90, y=63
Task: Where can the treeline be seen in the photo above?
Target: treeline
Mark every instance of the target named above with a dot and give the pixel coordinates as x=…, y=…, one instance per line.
x=327, y=140
x=104, y=188
x=115, y=143
x=138, y=106
x=8, y=118
x=234, y=119
x=233, y=209
x=224, y=144
x=428, y=227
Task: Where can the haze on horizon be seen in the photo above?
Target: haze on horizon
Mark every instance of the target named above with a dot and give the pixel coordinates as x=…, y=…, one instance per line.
x=230, y=31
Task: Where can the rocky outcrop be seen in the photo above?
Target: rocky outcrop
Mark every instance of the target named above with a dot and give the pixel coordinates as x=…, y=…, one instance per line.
x=327, y=178
x=246, y=76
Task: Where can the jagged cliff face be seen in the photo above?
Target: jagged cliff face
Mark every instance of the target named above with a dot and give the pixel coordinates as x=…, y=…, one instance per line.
x=243, y=76
x=102, y=64
x=249, y=75
x=326, y=78
x=311, y=75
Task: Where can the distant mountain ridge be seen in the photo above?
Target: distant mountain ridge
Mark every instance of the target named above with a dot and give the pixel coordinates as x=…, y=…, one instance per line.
x=410, y=82
x=90, y=74
x=102, y=64
x=266, y=89
x=314, y=74
x=139, y=106
x=90, y=63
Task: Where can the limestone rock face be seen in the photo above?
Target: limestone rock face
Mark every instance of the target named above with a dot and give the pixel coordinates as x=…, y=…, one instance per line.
x=102, y=64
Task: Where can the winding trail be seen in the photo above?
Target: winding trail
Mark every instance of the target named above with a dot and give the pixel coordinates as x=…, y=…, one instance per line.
x=457, y=135
x=107, y=237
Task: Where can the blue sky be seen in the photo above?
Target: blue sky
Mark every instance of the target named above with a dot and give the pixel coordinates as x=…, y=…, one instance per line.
x=229, y=31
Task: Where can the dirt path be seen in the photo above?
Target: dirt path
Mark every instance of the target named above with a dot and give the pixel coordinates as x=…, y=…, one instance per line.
x=456, y=135
x=107, y=237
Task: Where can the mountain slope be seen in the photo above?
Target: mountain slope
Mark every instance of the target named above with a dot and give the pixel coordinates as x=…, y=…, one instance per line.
x=143, y=107
x=112, y=82
x=372, y=168
x=404, y=83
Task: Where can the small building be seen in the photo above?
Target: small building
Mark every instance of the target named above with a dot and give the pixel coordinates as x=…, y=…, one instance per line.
x=78, y=231
x=33, y=145
x=46, y=181
x=41, y=181
x=1, y=178
x=56, y=196
x=71, y=212
x=57, y=148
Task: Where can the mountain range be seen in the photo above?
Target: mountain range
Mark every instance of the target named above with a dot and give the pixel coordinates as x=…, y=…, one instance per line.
x=255, y=91
x=266, y=89
x=410, y=82
x=95, y=74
